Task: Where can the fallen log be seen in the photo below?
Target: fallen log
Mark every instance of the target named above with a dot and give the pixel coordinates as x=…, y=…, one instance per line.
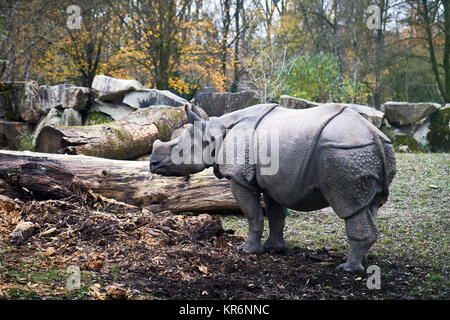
x=125, y=139
x=127, y=181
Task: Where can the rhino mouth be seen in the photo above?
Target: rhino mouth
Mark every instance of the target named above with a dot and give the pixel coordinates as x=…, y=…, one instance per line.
x=157, y=167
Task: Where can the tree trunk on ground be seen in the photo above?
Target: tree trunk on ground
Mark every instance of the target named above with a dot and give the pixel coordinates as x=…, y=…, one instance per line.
x=125, y=139
x=127, y=181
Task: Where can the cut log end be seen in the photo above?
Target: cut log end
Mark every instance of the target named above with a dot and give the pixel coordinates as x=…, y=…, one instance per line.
x=50, y=140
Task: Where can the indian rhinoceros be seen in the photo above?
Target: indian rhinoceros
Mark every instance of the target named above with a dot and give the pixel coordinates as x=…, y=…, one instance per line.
x=312, y=158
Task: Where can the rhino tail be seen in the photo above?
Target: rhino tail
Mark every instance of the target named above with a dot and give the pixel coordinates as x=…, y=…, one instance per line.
x=384, y=182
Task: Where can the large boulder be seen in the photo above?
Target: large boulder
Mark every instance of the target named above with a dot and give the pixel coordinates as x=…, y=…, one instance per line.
x=116, y=110
x=296, y=103
x=145, y=98
x=431, y=134
x=421, y=135
x=15, y=135
x=112, y=89
x=217, y=104
x=373, y=115
x=53, y=118
x=76, y=98
x=52, y=97
x=19, y=101
x=439, y=130
x=71, y=117
x=406, y=113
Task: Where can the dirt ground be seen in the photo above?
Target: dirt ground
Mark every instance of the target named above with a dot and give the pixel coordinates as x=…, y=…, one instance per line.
x=126, y=252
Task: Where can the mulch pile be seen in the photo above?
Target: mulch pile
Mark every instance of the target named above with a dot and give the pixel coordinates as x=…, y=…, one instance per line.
x=128, y=252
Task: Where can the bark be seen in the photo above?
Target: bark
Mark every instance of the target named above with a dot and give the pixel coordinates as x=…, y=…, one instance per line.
x=43, y=176
x=125, y=139
x=226, y=27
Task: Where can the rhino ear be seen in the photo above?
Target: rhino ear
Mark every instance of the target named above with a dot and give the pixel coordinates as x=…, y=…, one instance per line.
x=191, y=115
x=196, y=111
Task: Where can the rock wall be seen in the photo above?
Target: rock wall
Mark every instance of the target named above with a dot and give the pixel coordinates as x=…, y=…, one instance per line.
x=26, y=108
x=29, y=108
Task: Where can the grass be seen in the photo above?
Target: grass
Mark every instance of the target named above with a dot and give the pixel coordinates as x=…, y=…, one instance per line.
x=414, y=225
x=38, y=279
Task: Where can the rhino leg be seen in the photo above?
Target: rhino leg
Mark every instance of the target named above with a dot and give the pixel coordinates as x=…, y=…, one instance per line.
x=362, y=233
x=248, y=202
x=276, y=215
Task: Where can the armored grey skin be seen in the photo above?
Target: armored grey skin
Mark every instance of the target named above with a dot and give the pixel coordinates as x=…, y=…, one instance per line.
x=328, y=156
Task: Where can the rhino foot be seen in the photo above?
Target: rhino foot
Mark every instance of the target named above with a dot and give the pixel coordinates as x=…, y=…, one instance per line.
x=251, y=248
x=350, y=267
x=275, y=245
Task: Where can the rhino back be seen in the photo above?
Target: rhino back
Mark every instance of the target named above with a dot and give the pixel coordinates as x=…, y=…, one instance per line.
x=302, y=133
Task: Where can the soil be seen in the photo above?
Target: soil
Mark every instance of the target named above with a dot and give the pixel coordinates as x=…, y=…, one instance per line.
x=128, y=252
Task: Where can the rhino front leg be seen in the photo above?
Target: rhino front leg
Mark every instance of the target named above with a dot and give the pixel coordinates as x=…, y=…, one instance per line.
x=248, y=202
x=276, y=215
x=362, y=233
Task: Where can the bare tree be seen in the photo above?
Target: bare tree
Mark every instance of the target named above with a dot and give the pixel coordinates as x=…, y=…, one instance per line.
x=264, y=68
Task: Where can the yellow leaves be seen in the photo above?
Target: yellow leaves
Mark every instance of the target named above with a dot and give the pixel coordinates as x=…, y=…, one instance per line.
x=179, y=85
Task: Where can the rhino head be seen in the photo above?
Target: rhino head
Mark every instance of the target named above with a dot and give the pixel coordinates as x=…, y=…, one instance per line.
x=189, y=153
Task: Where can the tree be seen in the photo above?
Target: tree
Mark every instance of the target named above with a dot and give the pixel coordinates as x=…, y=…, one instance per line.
x=157, y=30
x=24, y=34
x=430, y=12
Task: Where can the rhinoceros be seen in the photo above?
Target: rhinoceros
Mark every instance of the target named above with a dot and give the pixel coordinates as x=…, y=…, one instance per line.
x=312, y=158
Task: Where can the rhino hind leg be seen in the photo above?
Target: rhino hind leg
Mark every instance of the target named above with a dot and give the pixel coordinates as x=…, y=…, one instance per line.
x=248, y=202
x=362, y=233
x=276, y=214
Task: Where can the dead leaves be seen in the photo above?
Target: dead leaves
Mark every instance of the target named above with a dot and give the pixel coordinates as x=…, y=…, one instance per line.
x=112, y=242
x=203, y=269
x=95, y=262
x=110, y=292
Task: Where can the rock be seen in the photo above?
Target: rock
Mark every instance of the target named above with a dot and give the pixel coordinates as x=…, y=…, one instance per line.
x=19, y=101
x=296, y=103
x=75, y=97
x=403, y=136
x=217, y=104
x=23, y=231
x=404, y=149
x=420, y=135
x=72, y=117
x=373, y=115
x=405, y=113
x=96, y=117
x=116, y=110
x=51, y=97
x=406, y=140
x=112, y=89
x=439, y=130
x=53, y=118
x=13, y=134
x=150, y=97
